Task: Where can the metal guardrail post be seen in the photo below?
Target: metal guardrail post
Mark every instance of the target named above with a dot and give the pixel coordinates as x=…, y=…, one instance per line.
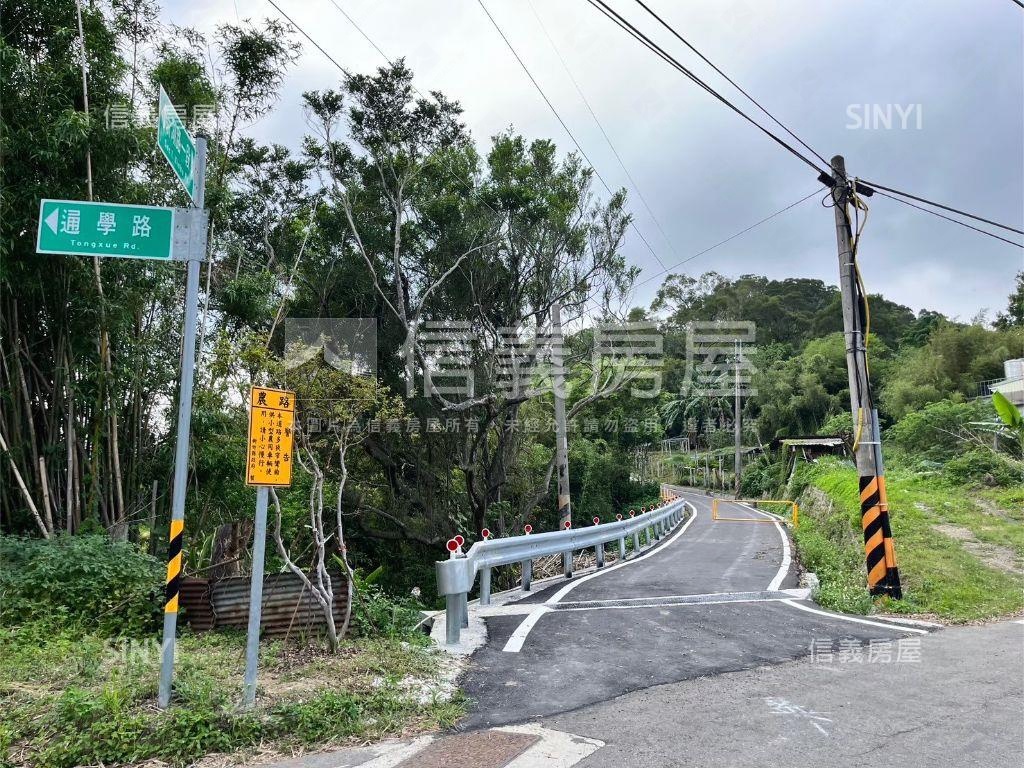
x=636, y=543
x=485, y=586
x=456, y=576
x=453, y=624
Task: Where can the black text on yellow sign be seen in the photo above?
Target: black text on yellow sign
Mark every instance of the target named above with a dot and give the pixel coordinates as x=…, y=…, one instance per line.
x=271, y=417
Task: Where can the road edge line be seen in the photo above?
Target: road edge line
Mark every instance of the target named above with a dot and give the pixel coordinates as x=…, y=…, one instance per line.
x=856, y=619
x=787, y=559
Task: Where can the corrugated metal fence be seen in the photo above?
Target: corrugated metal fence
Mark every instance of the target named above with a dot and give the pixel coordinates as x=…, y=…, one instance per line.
x=288, y=607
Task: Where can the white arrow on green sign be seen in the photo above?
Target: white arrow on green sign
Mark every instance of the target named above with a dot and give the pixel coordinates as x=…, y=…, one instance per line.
x=80, y=228
x=177, y=144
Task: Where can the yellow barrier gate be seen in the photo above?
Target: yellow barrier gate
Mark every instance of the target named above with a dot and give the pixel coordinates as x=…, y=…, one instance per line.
x=716, y=516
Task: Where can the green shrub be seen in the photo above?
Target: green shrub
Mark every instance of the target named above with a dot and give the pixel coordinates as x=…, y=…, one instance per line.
x=763, y=476
x=838, y=567
x=83, y=581
x=377, y=614
x=983, y=466
x=936, y=431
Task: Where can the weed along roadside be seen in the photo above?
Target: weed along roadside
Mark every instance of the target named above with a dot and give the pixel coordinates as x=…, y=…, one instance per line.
x=79, y=687
x=962, y=543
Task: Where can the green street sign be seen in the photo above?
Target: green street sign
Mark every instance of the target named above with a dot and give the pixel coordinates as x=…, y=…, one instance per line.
x=80, y=228
x=177, y=145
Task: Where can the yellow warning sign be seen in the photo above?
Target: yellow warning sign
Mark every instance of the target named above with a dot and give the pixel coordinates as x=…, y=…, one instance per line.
x=271, y=417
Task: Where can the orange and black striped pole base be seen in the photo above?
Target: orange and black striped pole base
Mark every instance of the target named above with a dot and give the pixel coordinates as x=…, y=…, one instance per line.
x=883, y=575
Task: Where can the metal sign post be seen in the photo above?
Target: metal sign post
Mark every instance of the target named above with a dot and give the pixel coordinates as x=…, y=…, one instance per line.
x=268, y=464
x=81, y=228
x=188, y=363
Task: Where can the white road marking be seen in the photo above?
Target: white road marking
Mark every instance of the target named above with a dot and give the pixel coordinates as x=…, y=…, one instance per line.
x=688, y=603
x=775, y=583
x=393, y=754
x=856, y=620
x=556, y=749
x=518, y=637
x=781, y=706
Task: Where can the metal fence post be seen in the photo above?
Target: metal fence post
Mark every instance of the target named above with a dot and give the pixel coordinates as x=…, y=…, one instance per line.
x=527, y=574
x=622, y=548
x=636, y=543
x=599, y=554
x=464, y=610
x=485, y=586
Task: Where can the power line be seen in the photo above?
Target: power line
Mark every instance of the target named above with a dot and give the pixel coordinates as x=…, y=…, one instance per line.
x=604, y=133
x=417, y=90
x=947, y=218
x=562, y=122
x=305, y=35
x=361, y=32
x=1018, y=2
x=673, y=62
x=733, y=236
x=732, y=82
x=940, y=205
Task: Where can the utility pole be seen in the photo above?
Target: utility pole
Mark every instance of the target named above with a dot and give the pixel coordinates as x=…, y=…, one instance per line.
x=879, y=553
x=737, y=427
x=561, y=436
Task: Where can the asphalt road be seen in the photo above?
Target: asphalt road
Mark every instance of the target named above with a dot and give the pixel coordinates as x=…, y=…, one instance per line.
x=695, y=654
x=960, y=704
x=708, y=600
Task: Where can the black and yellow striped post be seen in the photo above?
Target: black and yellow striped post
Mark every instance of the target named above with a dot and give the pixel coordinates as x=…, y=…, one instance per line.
x=174, y=566
x=879, y=552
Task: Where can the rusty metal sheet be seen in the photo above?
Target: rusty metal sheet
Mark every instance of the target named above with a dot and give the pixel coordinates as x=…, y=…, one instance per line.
x=288, y=607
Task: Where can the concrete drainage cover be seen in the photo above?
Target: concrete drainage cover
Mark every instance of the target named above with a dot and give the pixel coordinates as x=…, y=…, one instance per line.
x=480, y=749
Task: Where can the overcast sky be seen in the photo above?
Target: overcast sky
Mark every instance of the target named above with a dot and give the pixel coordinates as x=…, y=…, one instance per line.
x=954, y=67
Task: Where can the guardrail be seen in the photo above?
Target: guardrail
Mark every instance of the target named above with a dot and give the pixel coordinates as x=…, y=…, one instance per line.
x=456, y=576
